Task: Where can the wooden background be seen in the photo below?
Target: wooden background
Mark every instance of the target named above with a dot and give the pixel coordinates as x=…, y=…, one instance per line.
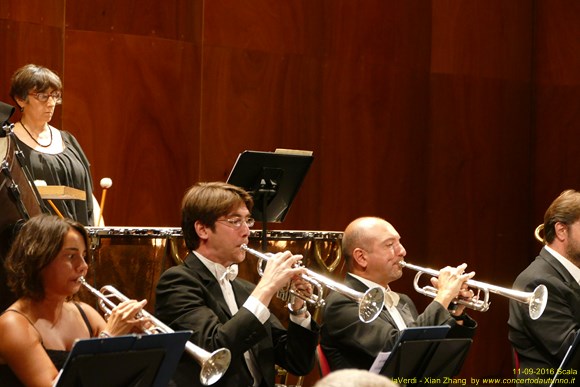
x=456, y=120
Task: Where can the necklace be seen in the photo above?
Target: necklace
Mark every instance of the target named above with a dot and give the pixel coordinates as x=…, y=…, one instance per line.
x=33, y=139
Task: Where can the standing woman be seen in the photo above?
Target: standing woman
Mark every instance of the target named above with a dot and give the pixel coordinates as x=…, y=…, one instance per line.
x=52, y=155
x=38, y=331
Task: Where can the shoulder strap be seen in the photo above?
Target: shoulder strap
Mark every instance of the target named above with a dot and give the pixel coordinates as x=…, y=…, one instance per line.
x=27, y=319
x=85, y=318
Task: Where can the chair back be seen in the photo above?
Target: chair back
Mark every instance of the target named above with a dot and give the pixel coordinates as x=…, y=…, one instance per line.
x=323, y=366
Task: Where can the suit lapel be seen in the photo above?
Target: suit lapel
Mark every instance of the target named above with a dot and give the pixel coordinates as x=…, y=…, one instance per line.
x=405, y=312
x=560, y=269
x=211, y=284
x=567, y=278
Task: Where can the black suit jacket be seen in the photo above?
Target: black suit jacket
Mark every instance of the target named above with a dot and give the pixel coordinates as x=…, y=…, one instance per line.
x=349, y=343
x=541, y=344
x=188, y=297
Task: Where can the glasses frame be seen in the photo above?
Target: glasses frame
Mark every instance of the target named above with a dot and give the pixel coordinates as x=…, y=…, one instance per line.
x=236, y=222
x=56, y=95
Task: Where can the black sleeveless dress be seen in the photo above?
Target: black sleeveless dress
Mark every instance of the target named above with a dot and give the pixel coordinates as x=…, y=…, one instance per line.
x=7, y=377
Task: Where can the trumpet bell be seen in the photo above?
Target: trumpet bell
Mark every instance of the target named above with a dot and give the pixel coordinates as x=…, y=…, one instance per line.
x=215, y=366
x=538, y=302
x=371, y=304
x=538, y=234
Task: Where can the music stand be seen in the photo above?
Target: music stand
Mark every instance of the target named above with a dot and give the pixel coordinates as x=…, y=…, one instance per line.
x=434, y=360
x=273, y=179
x=124, y=361
x=570, y=362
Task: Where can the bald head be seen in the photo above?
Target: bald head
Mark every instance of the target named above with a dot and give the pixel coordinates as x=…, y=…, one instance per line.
x=359, y=233
x=372, y=249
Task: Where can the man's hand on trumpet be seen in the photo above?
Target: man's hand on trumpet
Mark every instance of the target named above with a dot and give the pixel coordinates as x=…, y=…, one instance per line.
x=451, y=285
x=297, y=305
x=466, y=294
x=280, y=269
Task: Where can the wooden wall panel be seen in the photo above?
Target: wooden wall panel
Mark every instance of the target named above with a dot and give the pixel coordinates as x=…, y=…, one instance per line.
x=375, y=112
x=254, y=49
x=289, y=27
x=168, y=19
x=454, y=120
x=479, y=186
x=557, y=102
x=138, y=116
x=258, y=101
x=38, y=12
x=135, y=121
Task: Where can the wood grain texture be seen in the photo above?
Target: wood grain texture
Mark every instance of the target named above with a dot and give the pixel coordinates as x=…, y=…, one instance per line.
x=556, y=103
x=456, y=121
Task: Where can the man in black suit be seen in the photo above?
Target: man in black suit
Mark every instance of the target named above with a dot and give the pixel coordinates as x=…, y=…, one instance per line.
x=372, y=249
x=223, y=313
x=541, y=344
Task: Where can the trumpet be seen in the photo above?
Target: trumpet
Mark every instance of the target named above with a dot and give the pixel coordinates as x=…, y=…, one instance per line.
x=370, y=303
x=536, y=300
x=213, y=365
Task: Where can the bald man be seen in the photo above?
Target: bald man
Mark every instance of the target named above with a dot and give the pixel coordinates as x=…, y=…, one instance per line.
x=372, y=249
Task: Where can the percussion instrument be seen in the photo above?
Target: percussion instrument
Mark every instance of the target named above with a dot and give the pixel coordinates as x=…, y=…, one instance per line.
x=133, y=258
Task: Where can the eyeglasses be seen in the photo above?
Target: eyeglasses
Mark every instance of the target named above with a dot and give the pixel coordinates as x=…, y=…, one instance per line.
x=237, y=221
x=43, y=97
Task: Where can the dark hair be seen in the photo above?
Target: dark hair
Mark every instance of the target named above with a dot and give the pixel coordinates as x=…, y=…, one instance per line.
x=32, y=77
x=564, y=209
x=206, y=202
x=36, y=245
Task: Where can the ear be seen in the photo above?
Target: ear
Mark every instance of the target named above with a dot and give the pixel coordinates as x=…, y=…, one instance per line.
x=202, y=230
x=20, y=102
x=561, y=231
x=359, y=257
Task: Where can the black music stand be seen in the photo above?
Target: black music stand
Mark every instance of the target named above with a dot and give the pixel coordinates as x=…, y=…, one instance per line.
x=124, y=361
x=570, y=362
x=273, y=179
x=426, y=362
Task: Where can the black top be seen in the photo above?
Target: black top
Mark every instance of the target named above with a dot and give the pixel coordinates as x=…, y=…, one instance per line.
x=7, y=377
x=70, y=168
